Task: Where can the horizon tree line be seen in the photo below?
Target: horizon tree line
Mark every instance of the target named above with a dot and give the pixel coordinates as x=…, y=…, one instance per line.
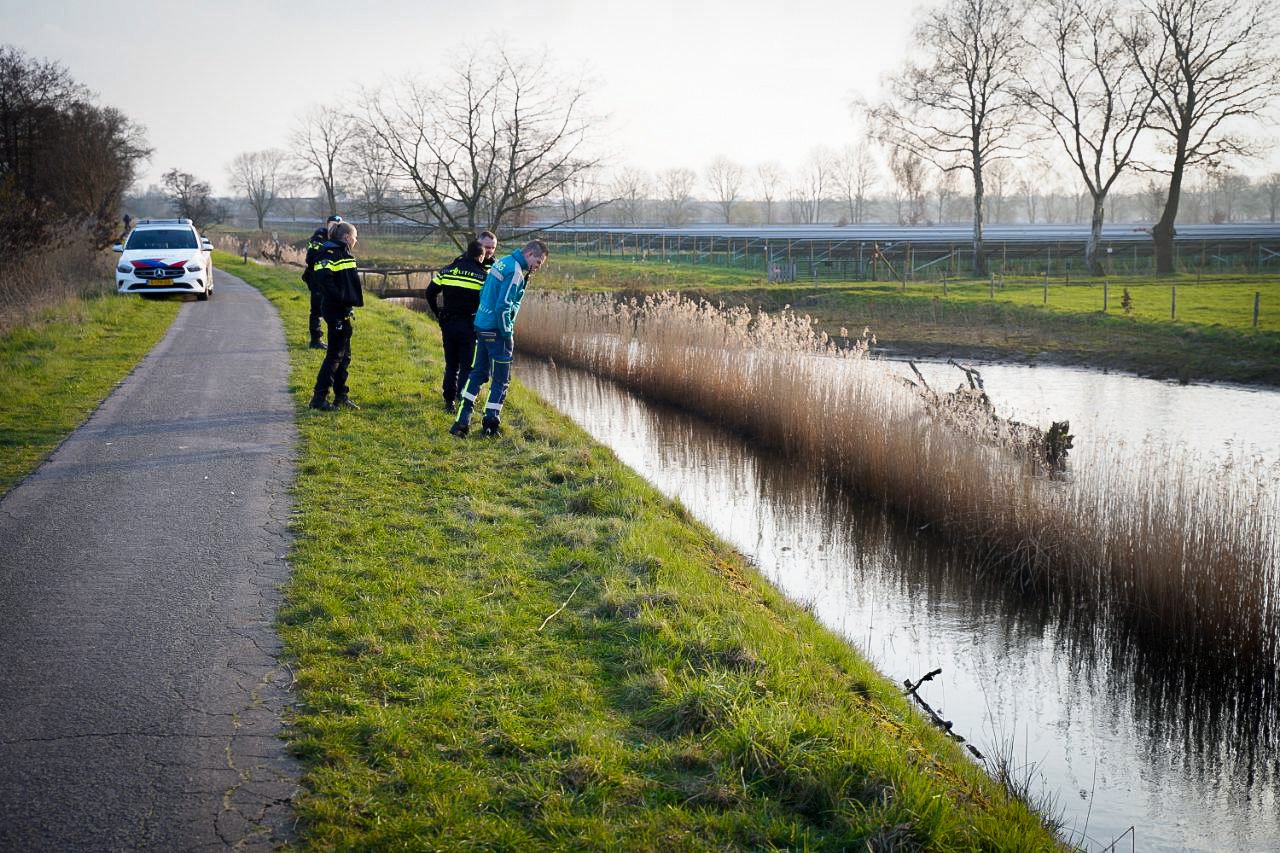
x=1139, y=98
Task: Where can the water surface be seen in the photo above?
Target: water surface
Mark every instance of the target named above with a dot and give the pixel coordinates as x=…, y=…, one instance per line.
x=1117, y=735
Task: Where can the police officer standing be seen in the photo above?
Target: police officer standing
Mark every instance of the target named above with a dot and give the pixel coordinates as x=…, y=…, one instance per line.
x=318, y=238
x=339, y=286
x=459, y=284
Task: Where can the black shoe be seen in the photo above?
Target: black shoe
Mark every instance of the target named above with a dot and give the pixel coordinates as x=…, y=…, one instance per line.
x=342, y=401
x=321, y=402
x=491, y=428
x=459, y=429
x=450, y=406
x=316, y=343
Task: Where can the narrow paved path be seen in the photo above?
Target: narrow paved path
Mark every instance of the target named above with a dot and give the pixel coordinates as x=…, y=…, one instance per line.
x=140, y=691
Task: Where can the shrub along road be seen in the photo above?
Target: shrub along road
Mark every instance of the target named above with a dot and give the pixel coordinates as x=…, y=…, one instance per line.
x=141, y=697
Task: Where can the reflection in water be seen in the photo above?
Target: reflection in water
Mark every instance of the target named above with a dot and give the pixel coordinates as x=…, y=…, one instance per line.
x=1120, y=735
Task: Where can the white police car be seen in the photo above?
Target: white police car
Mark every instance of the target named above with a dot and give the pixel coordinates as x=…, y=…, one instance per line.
x=165, y=256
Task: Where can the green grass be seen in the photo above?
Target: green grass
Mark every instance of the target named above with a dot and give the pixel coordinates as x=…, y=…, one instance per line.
x=56, y=370
x=518, y=643
x=1212, y=337
x=975, y=327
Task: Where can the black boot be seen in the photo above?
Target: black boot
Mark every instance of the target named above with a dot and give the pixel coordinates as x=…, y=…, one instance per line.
x=342, y=401
x=491, y=428
x=316, y=343
x=321, y=402
x=459, y=429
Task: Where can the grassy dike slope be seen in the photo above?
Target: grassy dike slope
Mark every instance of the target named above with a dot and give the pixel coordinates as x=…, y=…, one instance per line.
x=519, y=644
x=57, y=370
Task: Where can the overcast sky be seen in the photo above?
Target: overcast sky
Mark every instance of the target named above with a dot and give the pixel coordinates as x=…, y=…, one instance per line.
x=682, y=82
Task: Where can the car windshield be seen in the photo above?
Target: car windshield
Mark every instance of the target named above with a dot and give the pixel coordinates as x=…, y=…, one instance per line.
x=162, y=238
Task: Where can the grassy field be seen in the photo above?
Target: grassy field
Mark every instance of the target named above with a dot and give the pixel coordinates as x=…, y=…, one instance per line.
x=919, y=325
x=56, y=370
x=1212, y=337
x=518, y=643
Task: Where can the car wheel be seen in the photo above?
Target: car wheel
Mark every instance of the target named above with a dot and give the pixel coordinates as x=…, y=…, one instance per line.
x=204, y=297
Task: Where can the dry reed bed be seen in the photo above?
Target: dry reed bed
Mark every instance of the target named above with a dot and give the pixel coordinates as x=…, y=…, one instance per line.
x=1186, y=555
x=50, y=276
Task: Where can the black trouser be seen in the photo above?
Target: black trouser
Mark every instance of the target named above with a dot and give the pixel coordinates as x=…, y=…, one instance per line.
x=459, y=338
x=313, y=321
x=337, y=359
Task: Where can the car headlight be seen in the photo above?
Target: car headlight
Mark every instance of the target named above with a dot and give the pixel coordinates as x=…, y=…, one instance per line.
x=124, y=268
x=194, y=266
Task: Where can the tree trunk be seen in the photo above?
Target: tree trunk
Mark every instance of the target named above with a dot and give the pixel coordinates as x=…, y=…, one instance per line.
x=1162, y=232
x=979, y=255
x=1091, y=259
x=332, y=196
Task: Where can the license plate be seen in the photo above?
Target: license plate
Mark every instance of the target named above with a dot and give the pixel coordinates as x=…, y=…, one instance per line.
x=159, y=281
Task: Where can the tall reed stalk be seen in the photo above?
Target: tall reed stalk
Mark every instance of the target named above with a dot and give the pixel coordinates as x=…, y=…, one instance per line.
x=1186, y=555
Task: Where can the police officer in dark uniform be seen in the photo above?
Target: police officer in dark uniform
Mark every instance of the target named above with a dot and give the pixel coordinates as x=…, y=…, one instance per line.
x=339, y=285
x=459, y=284
x=317, y=240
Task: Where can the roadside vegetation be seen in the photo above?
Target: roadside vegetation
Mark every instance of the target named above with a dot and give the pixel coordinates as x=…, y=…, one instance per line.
x=65, y=163
x=1180, y=556
x=58, y=365
x=522, y=644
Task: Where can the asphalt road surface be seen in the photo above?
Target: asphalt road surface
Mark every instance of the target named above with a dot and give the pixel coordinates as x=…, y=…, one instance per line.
x=140, y=687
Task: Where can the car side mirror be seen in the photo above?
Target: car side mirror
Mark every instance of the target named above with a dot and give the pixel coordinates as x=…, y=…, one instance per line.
x=205, y=244
x=118, y=247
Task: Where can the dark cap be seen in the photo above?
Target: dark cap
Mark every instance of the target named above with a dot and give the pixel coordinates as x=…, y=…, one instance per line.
x=334, y=218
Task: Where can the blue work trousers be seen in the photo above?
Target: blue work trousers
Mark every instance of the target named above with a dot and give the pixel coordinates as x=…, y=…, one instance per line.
x=492, y=358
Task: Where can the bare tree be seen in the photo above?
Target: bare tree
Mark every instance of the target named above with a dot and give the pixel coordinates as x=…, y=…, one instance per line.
x=768, y=181
x=1029, y=189
x=676, y=188
x=958, y=108
x=1153, y=198
x=998, y=179
x=291, y=185
x=498, y=137
x=258, y=174
x=1091, y=95
x=579, y=195
x=630, y=188
x=1228, y=186
x=854, y=175
x=810, y=186
x=319, y=144
x=191, y=198
x=944, y=191
x=725, y=179
x=907, y=168
x=368, y=166
x=1271, y=192
x=1211, y=63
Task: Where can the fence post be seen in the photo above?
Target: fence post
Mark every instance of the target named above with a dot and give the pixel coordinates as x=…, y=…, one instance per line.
x=944, y=293
x=993, y=285
x=1173, y=303
x=1105, y=284
x=1046, y=287
x=1257, y=300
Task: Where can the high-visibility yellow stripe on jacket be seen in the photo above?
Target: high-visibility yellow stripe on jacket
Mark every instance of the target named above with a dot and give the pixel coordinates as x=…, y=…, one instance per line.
x=336, y=266
x=455, y=278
